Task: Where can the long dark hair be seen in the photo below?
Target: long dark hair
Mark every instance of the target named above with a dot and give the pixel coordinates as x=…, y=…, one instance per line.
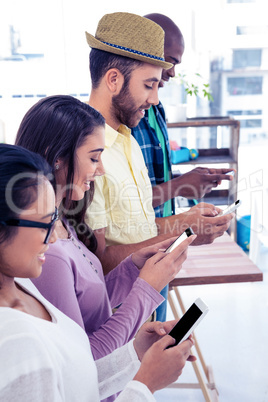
x=54, y=128
x=20, y=174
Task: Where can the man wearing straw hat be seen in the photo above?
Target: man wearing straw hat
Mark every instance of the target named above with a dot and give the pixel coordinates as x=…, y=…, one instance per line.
x=126, y=62
x=152, y=135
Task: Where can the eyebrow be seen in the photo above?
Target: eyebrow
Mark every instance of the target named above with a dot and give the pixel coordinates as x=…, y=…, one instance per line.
x=176, y=61
x=153, y=79
x=96, y=150
x=48, y=215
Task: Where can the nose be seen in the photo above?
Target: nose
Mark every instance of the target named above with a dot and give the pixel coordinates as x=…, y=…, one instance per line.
x=171, y=72
x=100, y=169
x=53, y=237
x=153, y=98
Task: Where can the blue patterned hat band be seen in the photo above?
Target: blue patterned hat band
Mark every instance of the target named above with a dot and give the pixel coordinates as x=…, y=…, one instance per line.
x=127, y=49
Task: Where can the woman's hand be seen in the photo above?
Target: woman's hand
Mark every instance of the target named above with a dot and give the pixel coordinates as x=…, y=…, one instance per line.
x=140, y=257
x=149, y=333
x=162, y=267
x=161, y=366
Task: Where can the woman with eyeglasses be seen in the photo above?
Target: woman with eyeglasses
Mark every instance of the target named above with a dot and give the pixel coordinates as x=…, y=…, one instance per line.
x=69, y=134
x=44, y=355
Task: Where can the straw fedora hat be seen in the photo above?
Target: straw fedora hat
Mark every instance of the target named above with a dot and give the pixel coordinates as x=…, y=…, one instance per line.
x=132, y=36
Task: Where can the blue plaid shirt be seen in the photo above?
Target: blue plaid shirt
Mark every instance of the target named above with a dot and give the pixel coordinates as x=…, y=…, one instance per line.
x=152, y=150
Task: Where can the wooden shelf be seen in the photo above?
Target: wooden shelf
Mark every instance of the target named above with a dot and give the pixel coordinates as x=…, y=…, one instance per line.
x=219, y=156
x=211, y=156
x=206, y=122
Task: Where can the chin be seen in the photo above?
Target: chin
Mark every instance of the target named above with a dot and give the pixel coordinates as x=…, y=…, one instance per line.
x=78, y=197
x=134, y=124
x=35, y=274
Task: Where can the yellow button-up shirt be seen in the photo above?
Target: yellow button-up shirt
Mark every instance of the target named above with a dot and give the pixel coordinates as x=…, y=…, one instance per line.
x=122, y=200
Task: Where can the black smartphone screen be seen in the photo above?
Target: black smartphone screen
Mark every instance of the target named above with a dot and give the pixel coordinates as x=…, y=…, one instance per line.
x=185, y=323
x=189, y=231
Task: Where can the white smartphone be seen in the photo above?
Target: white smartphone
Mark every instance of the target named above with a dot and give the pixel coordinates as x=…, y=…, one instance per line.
x=189, y=321
x=188, y=232
x=231, y=208
x=232, y=173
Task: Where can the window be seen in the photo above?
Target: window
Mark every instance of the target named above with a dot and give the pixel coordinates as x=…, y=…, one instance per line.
x=18, y=45
x=240, y=1
x=247, y=58
x=244, y=86
x=252, y=30
x=244, y=112
x=250, y=123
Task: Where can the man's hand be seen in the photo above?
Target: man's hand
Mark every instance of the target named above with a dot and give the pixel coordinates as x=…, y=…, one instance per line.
x=202, y=218
x=205, y=223
x=200, y=181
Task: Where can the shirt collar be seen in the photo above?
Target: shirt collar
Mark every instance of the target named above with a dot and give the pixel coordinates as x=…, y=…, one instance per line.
x=111, y=135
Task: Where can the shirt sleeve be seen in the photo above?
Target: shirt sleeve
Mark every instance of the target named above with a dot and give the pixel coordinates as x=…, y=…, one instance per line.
x=117, y=369
x=138, y=299
x=27, y=373
x=57, y=284
x=120, y=281
x=136, y=391
x=115, y=373
x=125, y=273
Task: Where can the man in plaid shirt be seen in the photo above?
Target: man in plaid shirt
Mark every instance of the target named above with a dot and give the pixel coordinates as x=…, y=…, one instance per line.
x=152, y=136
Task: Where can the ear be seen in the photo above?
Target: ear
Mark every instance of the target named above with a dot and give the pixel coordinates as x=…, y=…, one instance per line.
x=58, y=164
x=114, y=80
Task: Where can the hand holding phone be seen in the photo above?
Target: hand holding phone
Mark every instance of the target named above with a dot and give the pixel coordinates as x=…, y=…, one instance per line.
x=188, y=232
x=231, y=208
x=189, y=321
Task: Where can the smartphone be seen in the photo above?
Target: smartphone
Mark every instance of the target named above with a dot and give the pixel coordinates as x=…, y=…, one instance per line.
x=232, y=173
x=231, y=208
x=188, y=232
x=189, y=321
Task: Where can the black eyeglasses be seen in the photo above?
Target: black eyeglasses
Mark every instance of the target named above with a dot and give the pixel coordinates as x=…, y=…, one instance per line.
x=33, y=224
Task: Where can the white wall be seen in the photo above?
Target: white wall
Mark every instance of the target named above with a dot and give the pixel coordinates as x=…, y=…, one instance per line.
x=57, y=29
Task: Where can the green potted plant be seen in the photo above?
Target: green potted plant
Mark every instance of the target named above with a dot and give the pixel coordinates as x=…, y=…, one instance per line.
x=195, y=87
x=187, y=85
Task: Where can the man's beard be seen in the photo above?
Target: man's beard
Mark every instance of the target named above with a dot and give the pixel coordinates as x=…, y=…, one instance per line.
x=124, y=109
